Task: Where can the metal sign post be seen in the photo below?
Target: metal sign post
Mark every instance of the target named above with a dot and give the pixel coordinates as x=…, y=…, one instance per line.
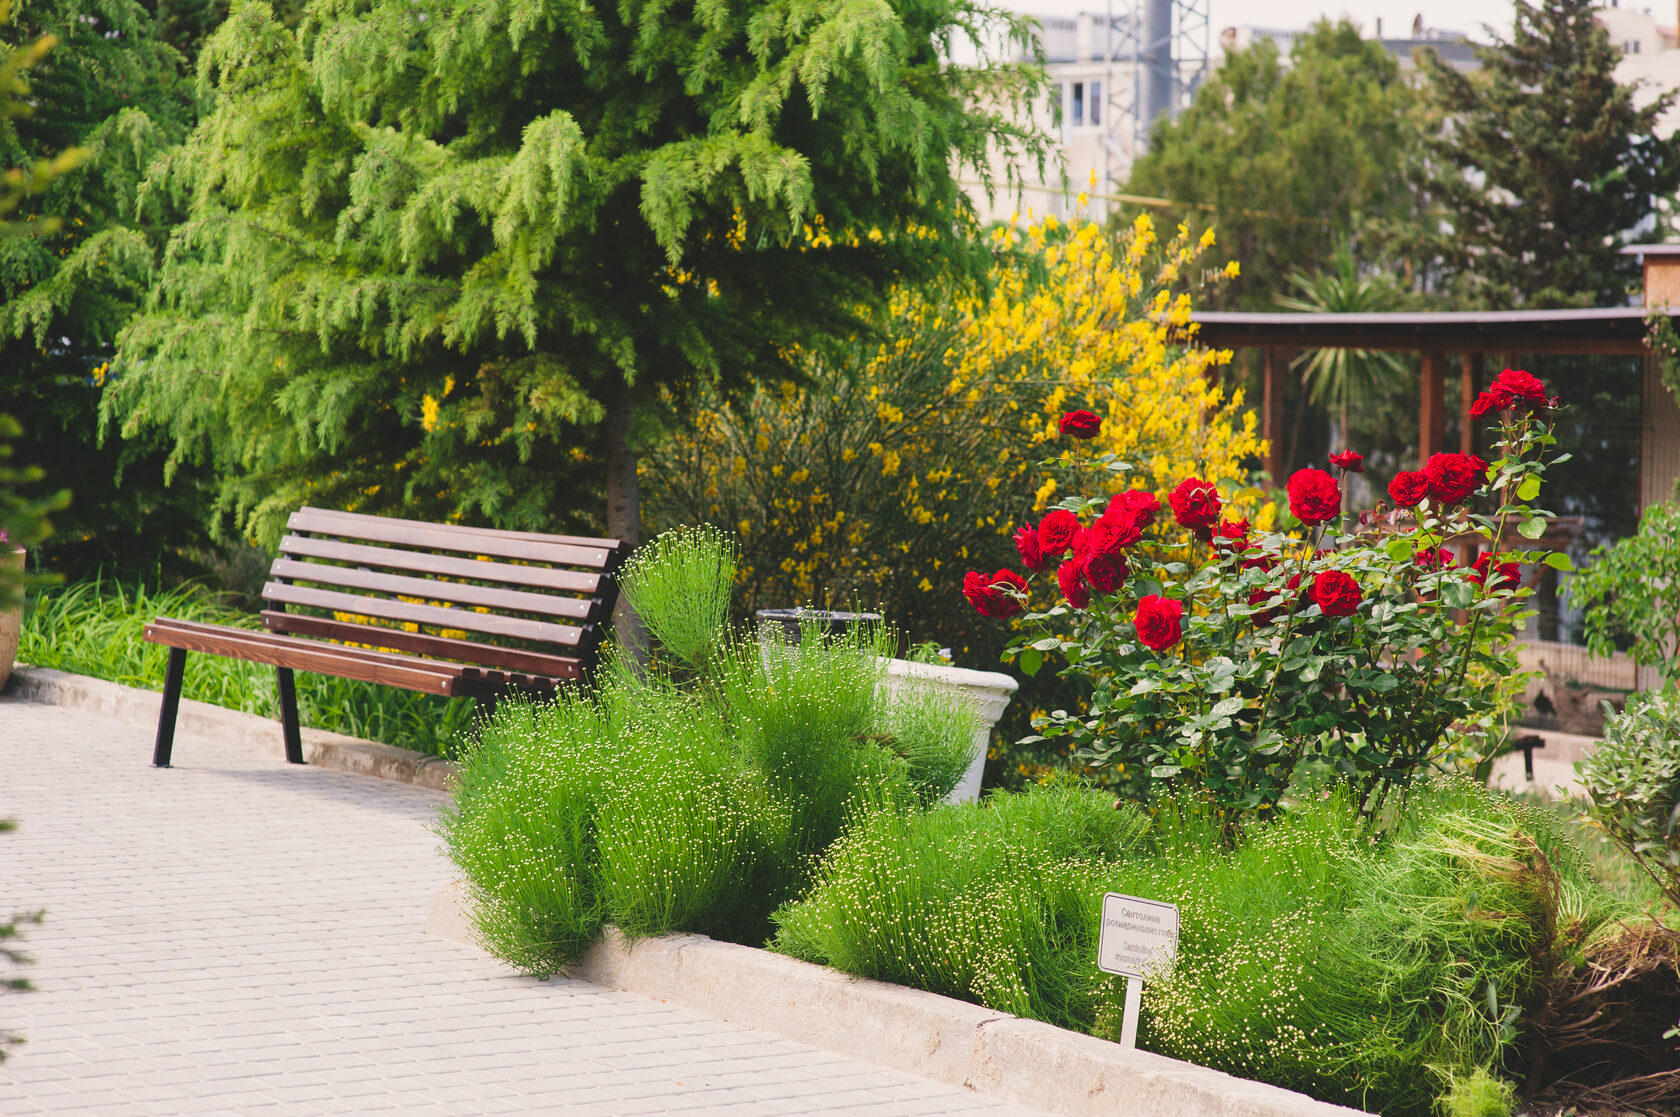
x=1138, y=939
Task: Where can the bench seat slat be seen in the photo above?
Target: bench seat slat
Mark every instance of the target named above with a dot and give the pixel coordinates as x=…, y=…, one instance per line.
x=435, y=615
x=564, y=550
x=422, y=643
x=422, y=562
x=457, y=593
x=306, y=655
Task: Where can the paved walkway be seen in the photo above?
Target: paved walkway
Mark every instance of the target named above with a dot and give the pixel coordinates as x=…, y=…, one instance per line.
x=239, y=936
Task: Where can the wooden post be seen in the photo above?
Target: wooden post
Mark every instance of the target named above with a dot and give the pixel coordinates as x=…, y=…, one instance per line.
x=1271, y=413
x=1470, y=382
x=1431, y=407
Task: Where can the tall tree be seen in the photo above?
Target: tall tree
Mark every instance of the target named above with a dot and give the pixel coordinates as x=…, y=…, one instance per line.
x=1542, y=165
x=1288, y=161
x=116, y=93
x=437, y=254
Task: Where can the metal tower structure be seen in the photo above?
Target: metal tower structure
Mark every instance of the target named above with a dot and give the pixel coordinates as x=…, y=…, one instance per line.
x=1155, y=53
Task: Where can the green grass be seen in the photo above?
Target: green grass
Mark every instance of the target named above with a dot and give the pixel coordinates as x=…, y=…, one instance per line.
x=95, y=628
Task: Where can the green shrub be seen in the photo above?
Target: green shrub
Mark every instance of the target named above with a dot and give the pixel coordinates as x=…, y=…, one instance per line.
x=953, y=900
x=97, y=628
x=1629, y=592
x=1633, y=782
x=1385, y=974
x=696, y=793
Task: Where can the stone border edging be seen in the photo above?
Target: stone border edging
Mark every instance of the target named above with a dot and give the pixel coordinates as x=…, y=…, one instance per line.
x=202, y=719
x=1027, y=1062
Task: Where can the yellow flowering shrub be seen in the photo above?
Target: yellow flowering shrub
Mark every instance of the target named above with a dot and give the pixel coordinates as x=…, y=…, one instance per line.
x=910, y=458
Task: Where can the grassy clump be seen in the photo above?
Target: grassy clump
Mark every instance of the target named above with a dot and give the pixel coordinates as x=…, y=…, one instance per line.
x=1394, y=973
x=96, y=628
x=694, y=793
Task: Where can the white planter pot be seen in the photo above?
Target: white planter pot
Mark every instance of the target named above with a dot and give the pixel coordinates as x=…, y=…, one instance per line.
x=988, y=692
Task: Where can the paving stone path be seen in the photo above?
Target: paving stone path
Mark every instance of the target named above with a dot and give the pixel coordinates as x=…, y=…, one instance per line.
x=239, y=936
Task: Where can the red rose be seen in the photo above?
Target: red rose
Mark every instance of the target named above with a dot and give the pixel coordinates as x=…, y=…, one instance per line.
x=1432, y=558
x=1080, y=424
x=1070, y=576
x=1157, y=622
x=1232, y=535
x=1026, y=543
x=1494, y=399
x=1265, y=616
x=1314, y=496
x=1518, y=384
x=1408, y=488
x=990, y=596
x=1057, y=531
x=1107, y=537
x=1336, y=593
x=1106, y=571
x=1510, y=573
x=1195, y=504
x=1134, y=506
x=1349, y=460
x=1453, y=477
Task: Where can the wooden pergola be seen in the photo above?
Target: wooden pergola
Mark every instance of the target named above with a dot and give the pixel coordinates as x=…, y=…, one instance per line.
x=1435, y=336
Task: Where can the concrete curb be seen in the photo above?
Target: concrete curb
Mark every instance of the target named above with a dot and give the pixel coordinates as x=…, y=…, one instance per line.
x=1002, y=1056
x=201, y=719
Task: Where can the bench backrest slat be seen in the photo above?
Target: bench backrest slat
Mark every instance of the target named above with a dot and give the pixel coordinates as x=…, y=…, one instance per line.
x=423, y=562
x=420, y=643
x=565, y=550
x=446, y=592
x=433, y=589
x=435, y=615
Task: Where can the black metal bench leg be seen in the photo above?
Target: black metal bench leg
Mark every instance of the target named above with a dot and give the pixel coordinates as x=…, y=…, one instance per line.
x=289, y=716
x=172, y=676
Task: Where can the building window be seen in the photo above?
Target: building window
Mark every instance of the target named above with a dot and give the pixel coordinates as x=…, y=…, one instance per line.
x=1078, y=103
x=1096, y=102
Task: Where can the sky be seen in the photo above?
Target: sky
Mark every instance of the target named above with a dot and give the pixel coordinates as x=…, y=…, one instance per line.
x=1397, y=15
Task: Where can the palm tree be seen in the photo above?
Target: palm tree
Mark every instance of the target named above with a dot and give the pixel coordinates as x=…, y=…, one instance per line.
x=1344, y=378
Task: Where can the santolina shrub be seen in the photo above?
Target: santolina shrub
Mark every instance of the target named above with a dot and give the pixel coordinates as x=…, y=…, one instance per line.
x=695, y=794
x=1386, y=975
x=1222, y=659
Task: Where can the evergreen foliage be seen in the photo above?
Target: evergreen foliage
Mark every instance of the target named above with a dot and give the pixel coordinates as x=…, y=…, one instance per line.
x=1543, y=165
x=113, y=91
x=1290, y=158
x=428, y=249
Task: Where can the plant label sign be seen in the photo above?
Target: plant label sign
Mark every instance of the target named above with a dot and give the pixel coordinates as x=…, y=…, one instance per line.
x=1139, y=938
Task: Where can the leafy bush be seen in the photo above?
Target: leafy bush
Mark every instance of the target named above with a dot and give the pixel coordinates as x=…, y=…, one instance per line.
x=1633, y=782
x=909, y=450
x=97, y=628
x=1388, y=975
x=1630, y=592
x=696, y=794
x=1222, y=659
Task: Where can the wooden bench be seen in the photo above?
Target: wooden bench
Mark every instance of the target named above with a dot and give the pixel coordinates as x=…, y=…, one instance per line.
x=412, y=605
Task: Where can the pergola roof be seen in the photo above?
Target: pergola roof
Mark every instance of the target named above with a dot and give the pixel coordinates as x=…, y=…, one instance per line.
x=1601, y=330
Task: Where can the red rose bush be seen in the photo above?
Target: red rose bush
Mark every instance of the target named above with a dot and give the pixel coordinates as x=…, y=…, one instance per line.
x=1222, y=661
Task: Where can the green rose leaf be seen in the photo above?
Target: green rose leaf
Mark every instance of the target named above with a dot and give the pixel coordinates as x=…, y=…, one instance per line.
x=1529, y=489
x=1031, y=660
x=1558, y=560
x=1533, y=528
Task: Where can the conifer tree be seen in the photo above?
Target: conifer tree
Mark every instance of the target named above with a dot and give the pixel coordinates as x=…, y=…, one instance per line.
x=115, y=93
x=1542, y=166
x=437, y=253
